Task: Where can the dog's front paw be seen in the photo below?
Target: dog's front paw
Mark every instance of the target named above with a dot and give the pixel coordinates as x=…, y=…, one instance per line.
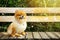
x=23, y=33
x=18, y=35
x=12, y=35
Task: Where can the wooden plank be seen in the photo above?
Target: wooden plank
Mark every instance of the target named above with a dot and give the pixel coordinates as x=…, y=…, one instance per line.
x=30, y=10
x=47, y=10
x=57, y=34
x=12, y=38
x=12, y=10
x=36, y=35
x=1, y=35
x=51, y=35
x=4, y=35
x=22, y=37
x=29, y=35
x=32, y=18
x=43, y=35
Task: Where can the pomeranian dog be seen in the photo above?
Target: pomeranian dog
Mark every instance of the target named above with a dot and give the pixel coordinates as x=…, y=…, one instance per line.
x=18, y=26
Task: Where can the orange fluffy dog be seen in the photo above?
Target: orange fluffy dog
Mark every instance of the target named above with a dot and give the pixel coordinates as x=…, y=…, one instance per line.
x=17, y=27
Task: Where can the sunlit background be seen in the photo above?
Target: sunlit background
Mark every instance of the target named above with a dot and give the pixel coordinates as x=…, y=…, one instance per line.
x=33, y=26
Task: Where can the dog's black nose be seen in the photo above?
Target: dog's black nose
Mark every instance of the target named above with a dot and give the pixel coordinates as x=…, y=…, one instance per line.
x=21, y=17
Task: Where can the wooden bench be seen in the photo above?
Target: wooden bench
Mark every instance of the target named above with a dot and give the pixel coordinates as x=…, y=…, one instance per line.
x=32, y=35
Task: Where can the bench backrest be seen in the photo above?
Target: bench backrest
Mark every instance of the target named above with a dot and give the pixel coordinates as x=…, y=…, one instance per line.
x=31, y=18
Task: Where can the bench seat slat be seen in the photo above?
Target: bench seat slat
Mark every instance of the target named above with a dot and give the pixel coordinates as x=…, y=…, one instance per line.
x=51, y=35
x=29, y=35
x=43, y=35
x=1, y=34
x=57, y=33
x=5, y=37
x=36, y=35
x=23, y=37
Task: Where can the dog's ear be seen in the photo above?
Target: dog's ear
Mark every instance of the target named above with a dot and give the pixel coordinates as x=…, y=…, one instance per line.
x=16, y=11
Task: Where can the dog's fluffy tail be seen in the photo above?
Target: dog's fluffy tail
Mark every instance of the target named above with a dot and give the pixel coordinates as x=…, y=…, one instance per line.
x=5, y=33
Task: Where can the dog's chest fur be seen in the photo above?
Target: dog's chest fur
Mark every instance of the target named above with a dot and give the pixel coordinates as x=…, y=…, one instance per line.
x=19, y=27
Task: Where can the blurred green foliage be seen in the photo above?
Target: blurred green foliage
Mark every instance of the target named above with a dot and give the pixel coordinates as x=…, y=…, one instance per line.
x=33, y=26
x=29, y=3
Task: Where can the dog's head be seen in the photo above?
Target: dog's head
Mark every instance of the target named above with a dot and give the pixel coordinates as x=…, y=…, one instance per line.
x=20, y=16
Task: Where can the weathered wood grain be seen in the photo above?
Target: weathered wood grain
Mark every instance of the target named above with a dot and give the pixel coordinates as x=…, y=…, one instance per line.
x=36, y=35
x=33, y=35
x=4, y=35
x=51, y=35
x=43, y=35
x=29, y=35
x=32, y=18
x=30, y=10
x=57, y=34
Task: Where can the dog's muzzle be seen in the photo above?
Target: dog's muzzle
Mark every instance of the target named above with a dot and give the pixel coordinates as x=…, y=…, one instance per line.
x=21, y=17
